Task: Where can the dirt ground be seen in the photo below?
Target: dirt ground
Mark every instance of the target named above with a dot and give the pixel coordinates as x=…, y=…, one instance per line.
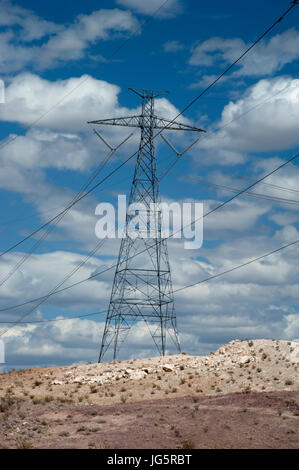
x=245, y=395
x=242, y=421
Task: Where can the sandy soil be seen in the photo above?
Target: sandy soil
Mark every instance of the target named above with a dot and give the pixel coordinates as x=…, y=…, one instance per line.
x=245, y=395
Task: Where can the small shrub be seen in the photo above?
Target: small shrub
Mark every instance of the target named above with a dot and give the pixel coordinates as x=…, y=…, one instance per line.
x=48, y=398
x=82, y=429
x=36, y=401
x=188, y=444
x=23, y=444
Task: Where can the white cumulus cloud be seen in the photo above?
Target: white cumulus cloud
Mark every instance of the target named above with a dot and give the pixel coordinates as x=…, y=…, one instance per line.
x=170, y=9
x=266, y=58
x=59, y=43
x=264, y=119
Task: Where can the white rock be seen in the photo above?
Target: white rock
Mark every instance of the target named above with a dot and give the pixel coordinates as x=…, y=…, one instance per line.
x=96, y=379
x=244, y=360
x=137, y=375
x=167, y=368
x=56, y=382
x=295, y=353
x=79, y=380
x=108, y=375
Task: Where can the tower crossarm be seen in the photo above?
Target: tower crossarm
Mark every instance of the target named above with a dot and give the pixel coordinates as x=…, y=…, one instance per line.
x=130, y=121
x=161, y=123
x=138, y=121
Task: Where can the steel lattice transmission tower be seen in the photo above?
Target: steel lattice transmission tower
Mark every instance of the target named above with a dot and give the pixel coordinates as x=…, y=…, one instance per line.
x=142, y=287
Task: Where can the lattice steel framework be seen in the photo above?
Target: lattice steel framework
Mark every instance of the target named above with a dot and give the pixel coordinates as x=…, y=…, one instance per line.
x=142, y=287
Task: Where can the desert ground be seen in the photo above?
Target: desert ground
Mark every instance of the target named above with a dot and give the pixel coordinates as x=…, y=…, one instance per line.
x=245, y=395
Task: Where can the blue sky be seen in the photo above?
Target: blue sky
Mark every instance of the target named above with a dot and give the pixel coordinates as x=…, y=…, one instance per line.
x=67, y=56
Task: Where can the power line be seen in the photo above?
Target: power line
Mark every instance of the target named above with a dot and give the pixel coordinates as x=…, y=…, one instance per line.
x=271, y=185
x=237, y=267
x=58, y=291
x=166, y=127
x=239, y=192
x=59, y=216
x=38, y=214
x=187, y=107
x=232, y=65
x=57, y=319
x=166, y=238
x=247, y=193
x=99, y=244
x=36, y=121
x=57, y=219
x=210, y=133
x=10, y=222
x=68, y=207
x=166, y=171
x=214, y=276
x=250, y=186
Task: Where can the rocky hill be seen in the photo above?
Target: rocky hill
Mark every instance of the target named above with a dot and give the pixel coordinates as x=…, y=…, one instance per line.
x=65, y=406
